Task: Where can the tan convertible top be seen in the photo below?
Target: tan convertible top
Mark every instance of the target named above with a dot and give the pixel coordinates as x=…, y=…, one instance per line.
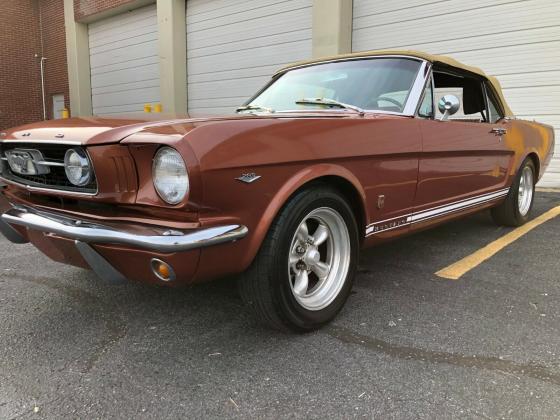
x=432, y=58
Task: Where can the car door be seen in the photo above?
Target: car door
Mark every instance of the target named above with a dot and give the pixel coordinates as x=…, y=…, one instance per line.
x=463, y=163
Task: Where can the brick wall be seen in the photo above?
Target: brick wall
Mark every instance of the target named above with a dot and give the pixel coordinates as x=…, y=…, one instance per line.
x=85, y=8
x=20, y=83
x=31, y=27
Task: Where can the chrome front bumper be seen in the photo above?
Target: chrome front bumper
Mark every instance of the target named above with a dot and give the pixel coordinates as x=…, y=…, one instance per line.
x=85, y=233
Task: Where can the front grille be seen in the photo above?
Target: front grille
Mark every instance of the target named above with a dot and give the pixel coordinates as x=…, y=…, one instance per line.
x=56, y=178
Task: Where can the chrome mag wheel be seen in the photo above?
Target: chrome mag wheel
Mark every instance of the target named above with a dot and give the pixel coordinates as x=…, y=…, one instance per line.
x=319, y=258
x=526, y=191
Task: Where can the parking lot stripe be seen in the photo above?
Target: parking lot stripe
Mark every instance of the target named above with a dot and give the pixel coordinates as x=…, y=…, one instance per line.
x=458, y=269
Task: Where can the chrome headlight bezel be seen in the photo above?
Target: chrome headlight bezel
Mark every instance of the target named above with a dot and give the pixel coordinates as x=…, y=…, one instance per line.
x=172, y=187
x=74, y=160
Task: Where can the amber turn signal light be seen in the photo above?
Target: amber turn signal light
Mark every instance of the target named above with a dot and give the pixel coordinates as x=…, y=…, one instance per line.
x=162, y=270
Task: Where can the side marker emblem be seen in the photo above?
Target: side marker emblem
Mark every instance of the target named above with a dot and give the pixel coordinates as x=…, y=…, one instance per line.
x=380, y=201
x=248, y=178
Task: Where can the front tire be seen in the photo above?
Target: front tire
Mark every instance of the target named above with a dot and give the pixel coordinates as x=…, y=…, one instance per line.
x=303, y=273
x=516, y=208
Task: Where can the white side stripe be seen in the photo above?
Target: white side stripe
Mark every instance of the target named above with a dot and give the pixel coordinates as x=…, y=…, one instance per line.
x=450, y=207
x=439, y=211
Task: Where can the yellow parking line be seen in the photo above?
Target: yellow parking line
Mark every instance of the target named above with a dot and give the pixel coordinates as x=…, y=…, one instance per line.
x=456, y=270
x=548, y=190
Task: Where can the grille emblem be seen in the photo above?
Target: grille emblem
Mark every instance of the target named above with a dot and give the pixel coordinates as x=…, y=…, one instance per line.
x=26, y=162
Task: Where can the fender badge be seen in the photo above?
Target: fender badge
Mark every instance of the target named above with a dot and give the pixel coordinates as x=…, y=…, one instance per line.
x=59, y=135
x=248, y=178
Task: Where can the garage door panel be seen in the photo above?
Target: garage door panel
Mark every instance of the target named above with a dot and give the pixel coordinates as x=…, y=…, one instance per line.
x=124, y=54
x=203, y=10
x=144, y=34
x=123, y=109
x=251, y=12
x=124, y=61
x=515, y=17
x=294, y=24
x=537, y=100
x=508, y=59
x=497, y=43
x=123, y=87
x=230, y=102
x=368, y=7
x=236, y=60
x=216, y=89
x=524, y=79
x=394, y=12
x=234, y=47
x=134, y=18
x=114, y=80
x=256, y=71
x=269, y=42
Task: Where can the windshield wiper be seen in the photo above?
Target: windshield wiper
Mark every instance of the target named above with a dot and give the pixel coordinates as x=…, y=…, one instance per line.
x=330, y=102
x=254, y=108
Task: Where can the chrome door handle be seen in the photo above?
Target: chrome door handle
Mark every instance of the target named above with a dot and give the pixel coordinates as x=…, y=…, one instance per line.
x=498, y=131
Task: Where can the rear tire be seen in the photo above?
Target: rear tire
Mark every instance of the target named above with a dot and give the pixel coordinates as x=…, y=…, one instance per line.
x=516, y=208
x=303, y=273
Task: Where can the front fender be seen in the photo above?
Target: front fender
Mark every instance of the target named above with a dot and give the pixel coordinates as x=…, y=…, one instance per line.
x=257, y=210
x=293, y=184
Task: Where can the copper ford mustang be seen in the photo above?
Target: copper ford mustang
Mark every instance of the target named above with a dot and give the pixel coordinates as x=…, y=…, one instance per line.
x=332, y=155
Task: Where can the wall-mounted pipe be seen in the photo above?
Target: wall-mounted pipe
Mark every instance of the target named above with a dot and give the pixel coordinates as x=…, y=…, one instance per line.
x=43, y=59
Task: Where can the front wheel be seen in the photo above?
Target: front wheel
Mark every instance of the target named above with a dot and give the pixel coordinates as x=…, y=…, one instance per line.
x=515, y=210
x=303, y=273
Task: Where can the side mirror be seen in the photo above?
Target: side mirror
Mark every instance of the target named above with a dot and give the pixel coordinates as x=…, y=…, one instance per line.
x=448, y=105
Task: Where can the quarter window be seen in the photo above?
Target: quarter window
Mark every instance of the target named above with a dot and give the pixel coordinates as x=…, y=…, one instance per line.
x=426, y=109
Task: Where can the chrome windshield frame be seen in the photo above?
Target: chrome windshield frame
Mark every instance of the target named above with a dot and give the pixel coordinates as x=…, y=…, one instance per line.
x=412, y=100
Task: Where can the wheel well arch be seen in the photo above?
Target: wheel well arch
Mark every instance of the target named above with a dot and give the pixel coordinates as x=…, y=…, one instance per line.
x=347, y=190
x=335, y=176
x=536, y=161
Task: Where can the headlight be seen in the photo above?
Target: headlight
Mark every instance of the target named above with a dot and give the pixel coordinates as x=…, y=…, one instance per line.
x=77, y=167
x=170, y=175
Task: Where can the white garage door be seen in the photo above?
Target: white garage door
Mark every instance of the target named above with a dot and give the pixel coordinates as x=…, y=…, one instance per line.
x=124, y=62
x=517, y=41
x=233, y=47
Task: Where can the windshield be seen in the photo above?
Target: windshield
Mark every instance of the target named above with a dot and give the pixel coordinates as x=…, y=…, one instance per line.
x=381, y=84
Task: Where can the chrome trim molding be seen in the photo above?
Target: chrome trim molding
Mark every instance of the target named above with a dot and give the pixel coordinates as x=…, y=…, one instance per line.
x=99, y=234
x=416, y=91
x=63, y=142
x=439, y=211
x=50, y=190
x=341, y=59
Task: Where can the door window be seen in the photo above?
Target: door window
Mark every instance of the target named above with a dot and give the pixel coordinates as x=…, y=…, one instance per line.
x=467, y=89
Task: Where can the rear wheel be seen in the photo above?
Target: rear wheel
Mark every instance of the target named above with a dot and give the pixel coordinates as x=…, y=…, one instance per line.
x=303, y=273
x=516, y=208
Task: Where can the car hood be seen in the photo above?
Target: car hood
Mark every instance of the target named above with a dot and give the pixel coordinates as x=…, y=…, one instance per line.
x=99, y=130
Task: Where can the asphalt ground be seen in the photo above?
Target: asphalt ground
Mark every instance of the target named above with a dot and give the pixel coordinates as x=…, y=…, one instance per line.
x=408, y=344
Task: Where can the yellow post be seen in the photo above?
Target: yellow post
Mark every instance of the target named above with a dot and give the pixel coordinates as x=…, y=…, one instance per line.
x=148, y=108
x=157, y=108
x=65, y=113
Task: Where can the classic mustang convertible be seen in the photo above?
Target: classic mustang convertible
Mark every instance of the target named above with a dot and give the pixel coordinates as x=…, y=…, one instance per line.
x=332, y=155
